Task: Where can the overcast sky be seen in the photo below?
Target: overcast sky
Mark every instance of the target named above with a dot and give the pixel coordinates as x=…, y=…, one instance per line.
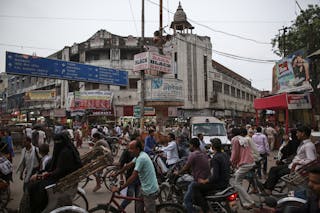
x=44, y=27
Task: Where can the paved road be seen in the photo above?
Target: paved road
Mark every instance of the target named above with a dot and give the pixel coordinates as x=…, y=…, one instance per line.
x=94, y=198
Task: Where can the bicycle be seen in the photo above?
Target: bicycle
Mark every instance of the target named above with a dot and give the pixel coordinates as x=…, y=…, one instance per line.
x=4, y=195
x=114, y=206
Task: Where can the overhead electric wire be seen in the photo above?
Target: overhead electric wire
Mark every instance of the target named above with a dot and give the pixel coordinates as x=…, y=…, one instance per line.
x=134, y=20
x=237, y=57
x=70, y=18
x=217, y=31
x=27, y=47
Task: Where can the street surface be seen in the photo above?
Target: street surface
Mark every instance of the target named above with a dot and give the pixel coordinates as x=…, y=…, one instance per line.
x=101, y=196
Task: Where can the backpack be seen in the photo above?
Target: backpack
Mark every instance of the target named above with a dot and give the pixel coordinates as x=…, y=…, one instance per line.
x=35, y=138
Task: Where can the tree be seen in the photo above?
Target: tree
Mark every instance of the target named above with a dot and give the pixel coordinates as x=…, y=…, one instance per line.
x=303, y=34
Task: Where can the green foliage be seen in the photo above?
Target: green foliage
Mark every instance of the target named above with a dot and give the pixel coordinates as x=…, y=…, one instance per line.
x=303, y=34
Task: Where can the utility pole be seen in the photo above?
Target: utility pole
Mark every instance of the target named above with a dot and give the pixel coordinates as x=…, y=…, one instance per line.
x=160, y=24
x=284, y=29
x=160, y=29
x=142, y=73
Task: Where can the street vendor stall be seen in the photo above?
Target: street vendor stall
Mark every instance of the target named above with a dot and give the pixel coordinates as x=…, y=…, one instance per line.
x=284, y=101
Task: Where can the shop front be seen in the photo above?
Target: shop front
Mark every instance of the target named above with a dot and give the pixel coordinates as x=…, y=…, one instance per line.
x=291, y=109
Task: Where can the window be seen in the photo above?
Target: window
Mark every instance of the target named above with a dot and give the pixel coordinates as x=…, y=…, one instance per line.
x=175, y=67
x=205, y=72
x=133, y=83
x=243, y=95
x=233, y=91
x=226, y=89
x=251, y=97
x=247, y=97
x=217, y=86
x=238, y=93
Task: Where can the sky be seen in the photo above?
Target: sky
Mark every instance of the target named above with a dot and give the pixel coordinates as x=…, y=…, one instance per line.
x=242, y=28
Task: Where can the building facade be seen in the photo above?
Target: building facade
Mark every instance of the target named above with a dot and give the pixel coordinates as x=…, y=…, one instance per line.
x=207, y=87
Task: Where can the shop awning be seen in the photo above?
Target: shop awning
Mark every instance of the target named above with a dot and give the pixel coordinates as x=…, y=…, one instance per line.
x=273, y=102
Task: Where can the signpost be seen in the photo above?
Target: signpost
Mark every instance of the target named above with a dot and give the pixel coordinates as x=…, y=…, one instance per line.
x=21, y=64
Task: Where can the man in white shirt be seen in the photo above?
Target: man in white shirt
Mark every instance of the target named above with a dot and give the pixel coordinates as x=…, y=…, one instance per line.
x=171, y=150
x=306, y=153
x=117, y=129
x=93, y=130
x=42, y=137
x=28, y=131
x=202, y=143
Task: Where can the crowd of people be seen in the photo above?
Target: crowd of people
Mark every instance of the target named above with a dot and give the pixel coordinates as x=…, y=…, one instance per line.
x=207, y=163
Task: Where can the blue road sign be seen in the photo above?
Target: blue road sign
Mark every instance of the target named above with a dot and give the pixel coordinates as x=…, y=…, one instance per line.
x=21, y=64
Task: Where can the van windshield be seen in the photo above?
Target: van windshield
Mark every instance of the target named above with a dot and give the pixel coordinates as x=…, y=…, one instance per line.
x=209, y=129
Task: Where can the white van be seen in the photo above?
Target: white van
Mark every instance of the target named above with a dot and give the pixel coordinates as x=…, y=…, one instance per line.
x=210, y=127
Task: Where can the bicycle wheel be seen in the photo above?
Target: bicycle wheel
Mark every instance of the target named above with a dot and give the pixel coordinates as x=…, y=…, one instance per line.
x=80, y=200
x=103, y=208
x=69, y=209
x=111, y=181
x=164, y=193
x=170, y=207
x=114, y=147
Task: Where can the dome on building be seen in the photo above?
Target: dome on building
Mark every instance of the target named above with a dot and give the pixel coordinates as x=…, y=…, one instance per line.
x=180, y=20
x=180, y=15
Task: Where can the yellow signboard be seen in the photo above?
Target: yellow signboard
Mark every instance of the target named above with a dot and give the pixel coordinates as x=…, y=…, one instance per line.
x=40, y=95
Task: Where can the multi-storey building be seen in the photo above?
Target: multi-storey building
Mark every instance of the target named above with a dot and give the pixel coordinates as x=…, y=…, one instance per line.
x=202, y=86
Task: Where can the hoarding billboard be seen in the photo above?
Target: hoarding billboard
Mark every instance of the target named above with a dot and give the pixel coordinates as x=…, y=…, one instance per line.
x=291, y=74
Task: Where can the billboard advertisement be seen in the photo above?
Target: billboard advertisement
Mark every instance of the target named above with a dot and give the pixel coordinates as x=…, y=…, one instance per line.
x=291, y=74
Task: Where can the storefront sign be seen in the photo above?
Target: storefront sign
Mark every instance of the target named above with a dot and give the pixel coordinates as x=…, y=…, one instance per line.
x=164, y=89
x=152, y=63
x=148, y=111
x=299, y=101
x=77, y=113
x=101, y=113
x=40, y=95
x=92, y=99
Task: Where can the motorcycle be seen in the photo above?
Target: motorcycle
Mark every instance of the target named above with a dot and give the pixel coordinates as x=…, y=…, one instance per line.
x=284, y=205
x=223, y=201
